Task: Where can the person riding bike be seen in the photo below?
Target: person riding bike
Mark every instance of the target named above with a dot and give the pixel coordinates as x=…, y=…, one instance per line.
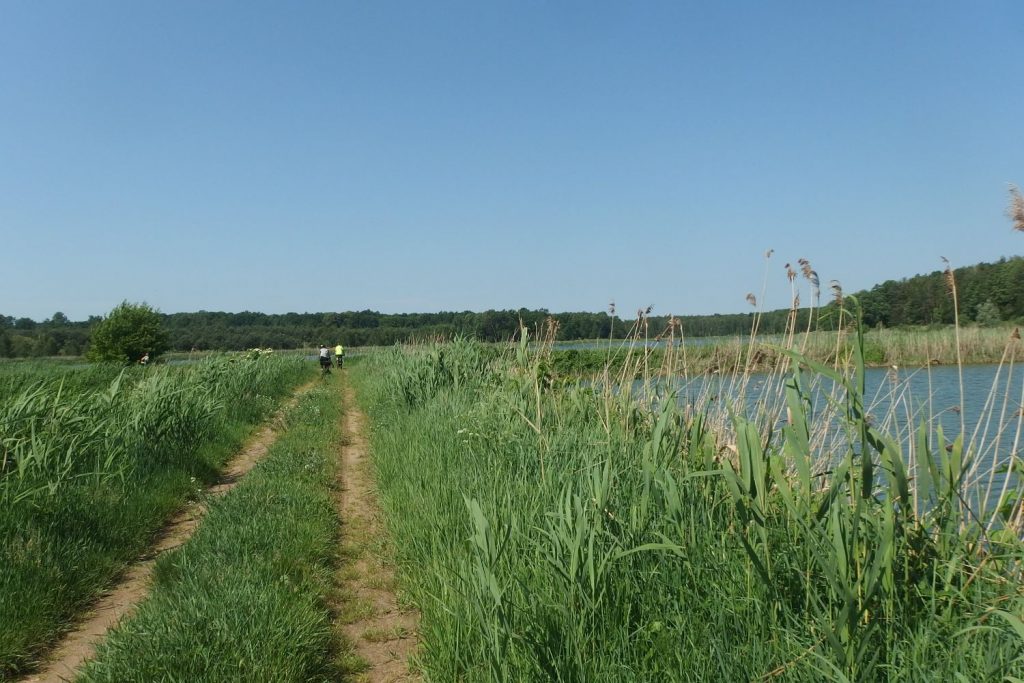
x=339, y=355
x=325, y=359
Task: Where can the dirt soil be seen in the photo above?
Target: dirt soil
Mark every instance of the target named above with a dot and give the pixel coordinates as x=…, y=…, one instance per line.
x=79, y=645
x=381, y=632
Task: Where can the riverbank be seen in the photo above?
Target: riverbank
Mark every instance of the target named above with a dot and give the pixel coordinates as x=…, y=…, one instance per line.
x=611, y=540
x=911, y=347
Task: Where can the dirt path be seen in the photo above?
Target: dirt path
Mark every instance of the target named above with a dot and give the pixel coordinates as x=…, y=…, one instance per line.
x=79, y=645
x=381, y=632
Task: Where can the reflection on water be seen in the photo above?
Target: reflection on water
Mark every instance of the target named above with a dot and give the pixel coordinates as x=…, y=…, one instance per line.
x=896, y=401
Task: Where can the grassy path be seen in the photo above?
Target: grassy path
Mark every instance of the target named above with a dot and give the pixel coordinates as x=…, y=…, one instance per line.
x=288, y=576
x=79, y=645
x=379, y=630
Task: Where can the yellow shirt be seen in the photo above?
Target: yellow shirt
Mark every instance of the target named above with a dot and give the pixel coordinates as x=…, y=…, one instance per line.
x=339, y=350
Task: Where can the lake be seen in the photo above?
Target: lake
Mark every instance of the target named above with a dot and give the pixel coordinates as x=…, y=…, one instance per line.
x=896, y=401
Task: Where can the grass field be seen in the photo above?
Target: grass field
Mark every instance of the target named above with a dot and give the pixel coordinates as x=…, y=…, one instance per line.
x=95, y=459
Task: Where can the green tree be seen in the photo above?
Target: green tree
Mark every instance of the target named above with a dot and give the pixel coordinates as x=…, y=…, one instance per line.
x=128, y=333
x=45, y=345
x=988, y=314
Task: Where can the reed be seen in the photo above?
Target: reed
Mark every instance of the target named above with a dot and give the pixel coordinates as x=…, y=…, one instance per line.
x=904, y=347
x=1016, y=209
x=733, y=526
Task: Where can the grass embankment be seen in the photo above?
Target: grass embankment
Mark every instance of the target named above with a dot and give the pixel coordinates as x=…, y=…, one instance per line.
x=562, y=533
x=247, y=597
x=94, y=462
x=902, y=347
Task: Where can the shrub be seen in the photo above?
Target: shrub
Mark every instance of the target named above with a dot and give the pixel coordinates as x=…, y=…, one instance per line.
x=128, y=333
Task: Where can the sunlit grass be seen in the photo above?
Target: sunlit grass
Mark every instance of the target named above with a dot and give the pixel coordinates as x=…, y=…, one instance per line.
x=247, y=597
x=94, y=461
x=612, y=530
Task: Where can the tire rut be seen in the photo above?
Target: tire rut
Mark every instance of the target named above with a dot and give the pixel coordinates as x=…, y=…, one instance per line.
x=79, y=645
x=381, y=632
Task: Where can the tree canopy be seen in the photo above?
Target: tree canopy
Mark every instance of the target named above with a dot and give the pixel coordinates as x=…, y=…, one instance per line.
x=128, y=333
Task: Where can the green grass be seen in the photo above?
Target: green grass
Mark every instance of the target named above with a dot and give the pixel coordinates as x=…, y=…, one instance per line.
x=94, y=462
x=247, y=597
x=17, y=376
x=569, y=533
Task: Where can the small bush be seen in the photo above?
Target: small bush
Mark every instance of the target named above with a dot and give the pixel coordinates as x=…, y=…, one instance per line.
x=130, y=332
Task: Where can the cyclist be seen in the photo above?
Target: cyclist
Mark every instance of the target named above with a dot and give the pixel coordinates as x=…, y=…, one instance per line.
x=325, y=359
x=339, y=355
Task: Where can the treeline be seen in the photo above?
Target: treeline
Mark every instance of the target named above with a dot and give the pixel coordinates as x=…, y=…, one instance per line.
x=210, y=330
x=55, y=336
x=988, y=293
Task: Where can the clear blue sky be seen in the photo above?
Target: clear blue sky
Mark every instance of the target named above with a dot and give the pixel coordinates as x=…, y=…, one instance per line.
x=425, y=156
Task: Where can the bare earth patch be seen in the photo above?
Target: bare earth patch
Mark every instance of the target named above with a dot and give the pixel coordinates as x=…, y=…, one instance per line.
x=381, y=634
x=79, y=645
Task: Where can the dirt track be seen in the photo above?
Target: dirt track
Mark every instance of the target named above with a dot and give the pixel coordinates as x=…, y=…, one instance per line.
x=381, y=632
x=68, y=656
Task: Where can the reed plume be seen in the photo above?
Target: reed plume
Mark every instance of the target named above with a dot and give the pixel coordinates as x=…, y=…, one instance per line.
x=1016, y=209
x=837, y=297
x=811, y=276
x=837, y=292
x=752, y=300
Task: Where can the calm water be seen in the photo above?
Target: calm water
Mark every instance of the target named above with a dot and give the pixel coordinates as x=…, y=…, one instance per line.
x=897, y=400
x=931, y=391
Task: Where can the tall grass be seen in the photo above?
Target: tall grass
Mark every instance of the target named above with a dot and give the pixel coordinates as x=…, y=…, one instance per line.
x=246, y=598
x=16, y=376
x=88, y=474
x=607, y=530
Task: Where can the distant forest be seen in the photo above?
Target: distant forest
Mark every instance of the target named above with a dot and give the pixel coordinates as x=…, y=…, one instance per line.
x=988, y=293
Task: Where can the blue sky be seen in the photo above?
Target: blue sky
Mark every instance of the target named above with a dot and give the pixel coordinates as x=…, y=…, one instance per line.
x=426, y=156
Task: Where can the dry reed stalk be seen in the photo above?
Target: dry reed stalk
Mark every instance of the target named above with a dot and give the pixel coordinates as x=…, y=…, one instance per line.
x=644, y=315
x=794, y=298
x=1009, y=358
x=683, y=352
x=668, y=363
x=980, y=435
x=951, y=283
x=837, y=297
x=1016, y=208
x=752, y=300
x=812, y=277
x=1016, y=521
